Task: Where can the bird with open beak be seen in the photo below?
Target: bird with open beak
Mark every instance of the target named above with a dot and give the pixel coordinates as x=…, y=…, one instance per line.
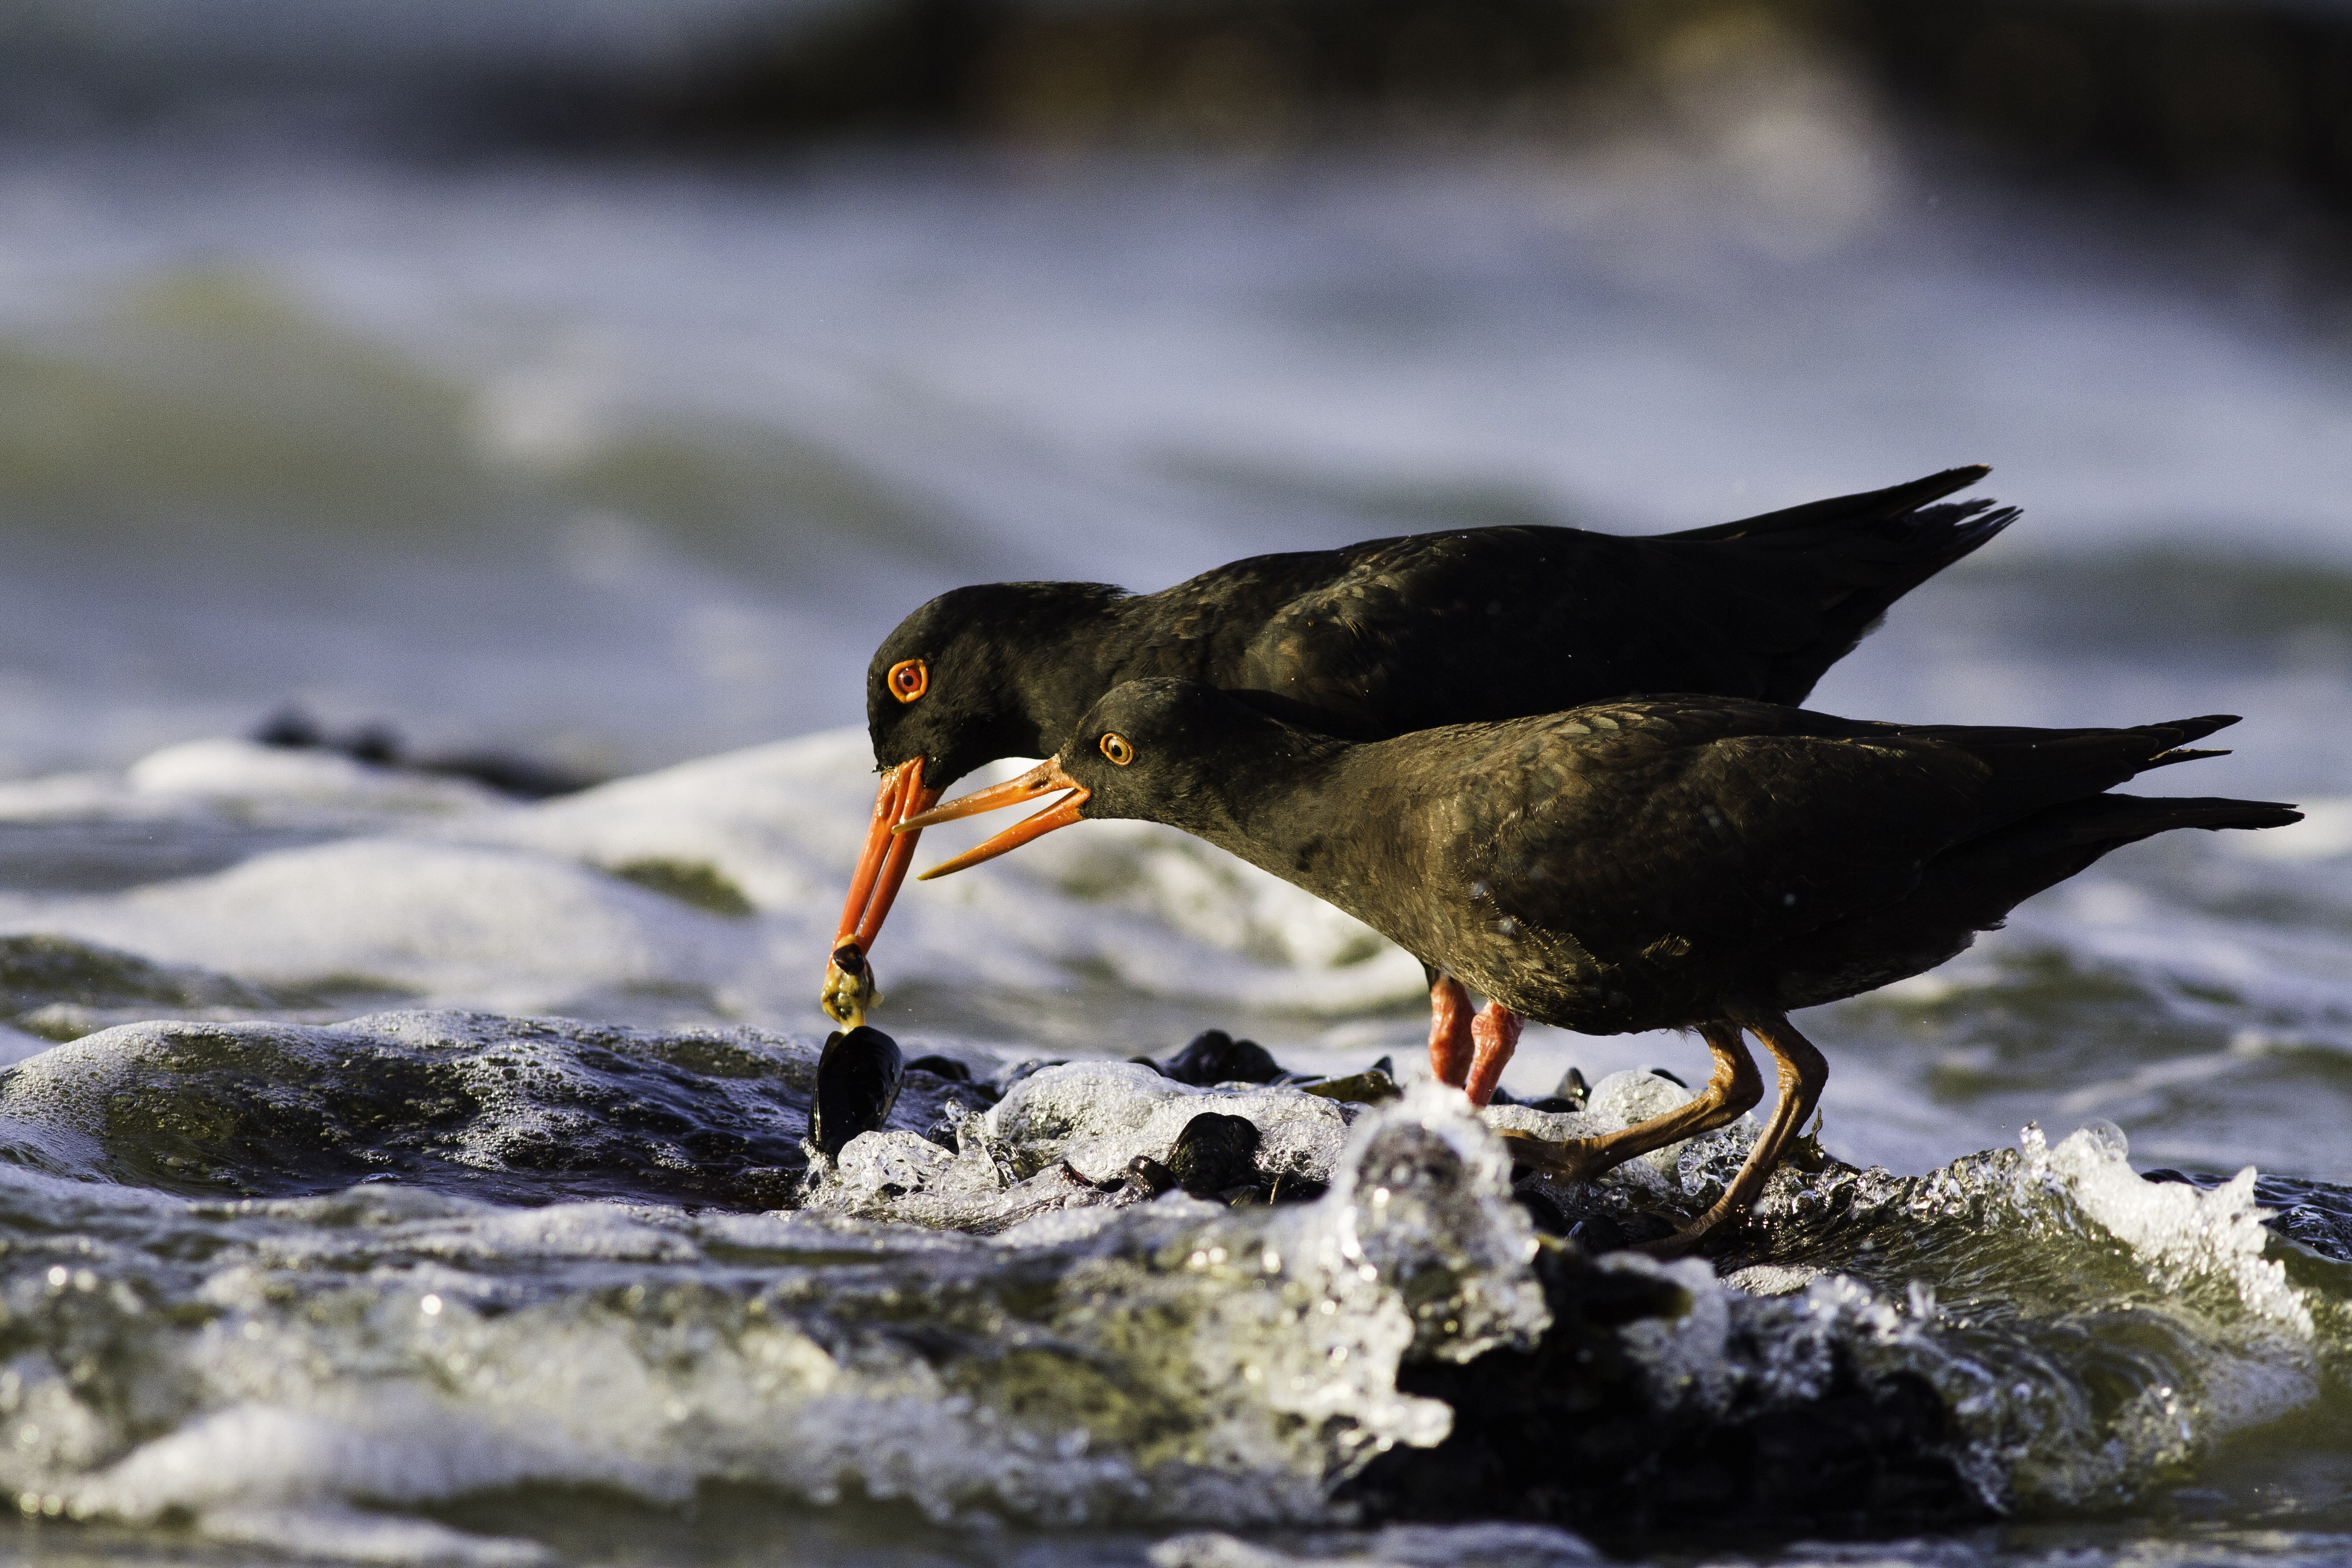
x=1696, y=863
x=1385, y=637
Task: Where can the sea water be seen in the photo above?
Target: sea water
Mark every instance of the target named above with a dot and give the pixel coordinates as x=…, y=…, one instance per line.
x=395, y=1170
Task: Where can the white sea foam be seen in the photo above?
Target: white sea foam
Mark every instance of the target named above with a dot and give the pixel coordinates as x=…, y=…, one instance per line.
x=447, y=1348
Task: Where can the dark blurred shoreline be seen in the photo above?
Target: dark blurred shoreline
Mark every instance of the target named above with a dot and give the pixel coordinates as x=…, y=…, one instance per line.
x=2222, y=97
x=2236, y=117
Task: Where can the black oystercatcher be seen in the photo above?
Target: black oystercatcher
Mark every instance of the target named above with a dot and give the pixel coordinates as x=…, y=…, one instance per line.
x=1671, y=862
x=1388, y=636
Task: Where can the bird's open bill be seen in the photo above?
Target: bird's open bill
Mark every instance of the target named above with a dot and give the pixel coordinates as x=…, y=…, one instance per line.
x=882, y=866
x=1044, y=779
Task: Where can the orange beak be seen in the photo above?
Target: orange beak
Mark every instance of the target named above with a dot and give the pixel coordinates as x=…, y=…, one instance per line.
x=889, y=851
x=1044, y=779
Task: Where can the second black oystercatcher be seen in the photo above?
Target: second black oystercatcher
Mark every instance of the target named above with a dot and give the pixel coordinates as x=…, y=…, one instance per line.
x=1675, y=862
x=1392, y=635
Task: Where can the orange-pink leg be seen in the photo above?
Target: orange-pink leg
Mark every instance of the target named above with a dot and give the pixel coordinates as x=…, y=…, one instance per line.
x=1495, y=1034
x=1451, y=1048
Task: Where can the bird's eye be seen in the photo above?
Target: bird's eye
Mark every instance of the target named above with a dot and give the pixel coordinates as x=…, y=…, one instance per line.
x=909, y=678
x=1116, y=748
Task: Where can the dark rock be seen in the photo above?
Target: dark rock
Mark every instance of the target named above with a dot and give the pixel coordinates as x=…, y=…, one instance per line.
x=1569, y=1433
x=1144, y=1179
x=941, y=1067
x=289, y=728
x=379, y=745
x=1216, y=1056
x=2316, y=1214
x=1215, y=1153
x=524, y=778
x=857, y=1081
x=1572, y=1089
x=1005, y=1077
x=1357, y=1089
x=1293, y=1189
x=1544, y=1213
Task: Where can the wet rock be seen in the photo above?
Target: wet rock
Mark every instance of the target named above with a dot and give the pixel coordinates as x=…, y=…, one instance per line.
x=2315, y=1213
x=515, y=1109
x=1215, y=1058
x=62, y=989
x=1571, y=1093
x=1397, y=1546
x=1371, y=1088
x=1144, y=1179
x=1574, y=1433
x=1214, y=1153
x=380, y=745
x=1100, y=1115
x=857, y=1081
x=1056, y=1188
x=941, y=1067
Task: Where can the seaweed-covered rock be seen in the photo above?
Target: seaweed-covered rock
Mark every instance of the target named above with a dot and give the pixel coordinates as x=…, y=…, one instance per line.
x=62, y=989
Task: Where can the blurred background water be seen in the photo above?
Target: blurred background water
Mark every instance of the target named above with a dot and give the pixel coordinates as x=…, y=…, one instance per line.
x=594, y=383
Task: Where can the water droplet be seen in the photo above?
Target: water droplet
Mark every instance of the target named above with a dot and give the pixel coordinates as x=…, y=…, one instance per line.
x=430, y=1306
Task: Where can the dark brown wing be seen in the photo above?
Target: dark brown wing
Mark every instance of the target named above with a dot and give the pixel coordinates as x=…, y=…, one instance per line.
x=1490, y=624
x=1745, y=825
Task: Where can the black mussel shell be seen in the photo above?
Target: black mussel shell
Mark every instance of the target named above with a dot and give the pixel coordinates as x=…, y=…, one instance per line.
x=1214, y=1153
x=857, y=1081
x=1216, y=1056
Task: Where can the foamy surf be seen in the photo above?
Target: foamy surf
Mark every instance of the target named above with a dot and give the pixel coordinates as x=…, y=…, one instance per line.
x=969, y=1314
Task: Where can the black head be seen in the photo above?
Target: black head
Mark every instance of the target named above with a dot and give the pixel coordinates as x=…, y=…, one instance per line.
x=979, y=673
x=1180, y=753
x=1158, y=750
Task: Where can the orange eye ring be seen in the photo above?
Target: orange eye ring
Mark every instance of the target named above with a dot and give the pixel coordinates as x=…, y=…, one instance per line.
x=908, y=679
x=1115, y=747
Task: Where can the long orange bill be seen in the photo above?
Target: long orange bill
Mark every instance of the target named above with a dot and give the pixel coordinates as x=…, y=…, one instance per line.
x=1044, y=779
x=882, y=866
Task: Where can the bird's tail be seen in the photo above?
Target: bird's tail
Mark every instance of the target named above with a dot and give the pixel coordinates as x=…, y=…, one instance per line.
x=2005, y=868
x=1855, y=555
x=2036, y=770
x=1973, y=887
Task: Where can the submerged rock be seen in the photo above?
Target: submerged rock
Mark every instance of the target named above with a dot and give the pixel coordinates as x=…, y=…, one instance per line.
x=61, y=989
x=525, y=1110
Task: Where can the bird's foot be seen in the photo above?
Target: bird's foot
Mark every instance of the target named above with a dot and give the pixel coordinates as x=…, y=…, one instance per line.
x=1571, y=1159
x=1666, y=1249
x=1689, y=1239
x=849, y=988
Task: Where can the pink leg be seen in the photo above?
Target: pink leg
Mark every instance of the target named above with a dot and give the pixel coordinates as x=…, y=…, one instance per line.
x=1495, y=1033
x=1450, y=1045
